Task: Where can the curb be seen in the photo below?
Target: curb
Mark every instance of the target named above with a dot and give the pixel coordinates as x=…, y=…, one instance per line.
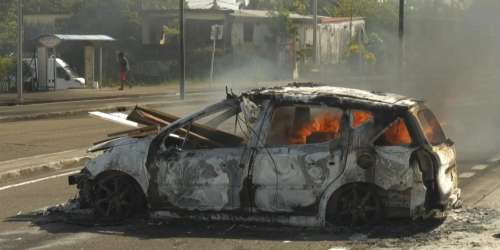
x=81, y=112
x=45, y=168
x=40, y=116
x=92, y=98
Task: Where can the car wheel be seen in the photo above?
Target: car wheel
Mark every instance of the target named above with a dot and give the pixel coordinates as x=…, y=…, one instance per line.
x=116, y=197
x=356, y=205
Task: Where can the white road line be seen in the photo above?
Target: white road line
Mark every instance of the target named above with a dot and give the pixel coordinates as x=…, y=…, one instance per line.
x=480, y=167
x=494, y=159
x=37, y=180
x=466, y=175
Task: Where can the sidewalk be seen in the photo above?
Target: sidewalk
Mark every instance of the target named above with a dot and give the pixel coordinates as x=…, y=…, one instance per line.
x=104, y=93
x=22, y=168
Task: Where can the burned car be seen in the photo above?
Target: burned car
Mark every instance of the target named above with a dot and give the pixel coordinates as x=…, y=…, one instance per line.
x=302, y=154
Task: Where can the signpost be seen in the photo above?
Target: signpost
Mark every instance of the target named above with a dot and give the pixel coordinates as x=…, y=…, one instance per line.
x=215, y=34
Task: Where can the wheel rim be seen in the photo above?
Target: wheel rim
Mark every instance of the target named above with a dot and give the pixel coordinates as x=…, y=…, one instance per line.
x=358, y=206
x=114, y=197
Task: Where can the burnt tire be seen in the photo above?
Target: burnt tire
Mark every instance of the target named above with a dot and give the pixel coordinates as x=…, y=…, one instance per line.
x=116, y=197
x=355, y=205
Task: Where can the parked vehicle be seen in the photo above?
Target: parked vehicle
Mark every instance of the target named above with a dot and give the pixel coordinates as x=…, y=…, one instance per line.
x=303, y=154
x=59, y=74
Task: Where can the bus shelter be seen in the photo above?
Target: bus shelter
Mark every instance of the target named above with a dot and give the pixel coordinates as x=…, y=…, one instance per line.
x=46, y=63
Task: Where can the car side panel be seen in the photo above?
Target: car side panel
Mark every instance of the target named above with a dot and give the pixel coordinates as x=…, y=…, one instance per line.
x=292, y=178
x=204, y=180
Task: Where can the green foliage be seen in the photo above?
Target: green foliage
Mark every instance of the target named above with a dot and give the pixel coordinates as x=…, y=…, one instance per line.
x=52, y=6
x=282, y=25
x=170, y=33
x=377, y=14
x=7, y=66
x=8, y=27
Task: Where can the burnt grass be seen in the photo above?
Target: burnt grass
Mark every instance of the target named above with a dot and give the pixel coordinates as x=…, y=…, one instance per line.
x=393, y=233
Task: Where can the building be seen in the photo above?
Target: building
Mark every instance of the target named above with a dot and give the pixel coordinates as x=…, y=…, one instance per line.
x=253, y=40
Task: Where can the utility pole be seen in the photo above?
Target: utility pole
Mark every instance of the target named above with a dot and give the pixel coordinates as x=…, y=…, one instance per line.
x=401, y=19
x=19, y=77
x=401, y=36
x=315, y=31
x=182, y=50
x=401, y=30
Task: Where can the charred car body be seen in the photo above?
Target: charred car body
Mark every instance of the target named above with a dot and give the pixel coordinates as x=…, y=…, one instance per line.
x=303, y=154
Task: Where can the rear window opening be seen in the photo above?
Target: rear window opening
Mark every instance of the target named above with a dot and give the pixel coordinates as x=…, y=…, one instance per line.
x=431, y=128
x=396, y=135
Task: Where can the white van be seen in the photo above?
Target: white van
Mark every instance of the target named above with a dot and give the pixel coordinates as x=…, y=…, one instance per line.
x=59, y=74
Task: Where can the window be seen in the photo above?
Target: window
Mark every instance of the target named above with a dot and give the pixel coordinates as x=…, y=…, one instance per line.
x=359, y=118
x=431, y=127
x=248, y=30
x=227, y=128
x=61, y=73
x=396, y=134
x=304, y=125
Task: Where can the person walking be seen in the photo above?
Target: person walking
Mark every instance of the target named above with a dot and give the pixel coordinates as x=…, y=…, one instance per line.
x=124, y=69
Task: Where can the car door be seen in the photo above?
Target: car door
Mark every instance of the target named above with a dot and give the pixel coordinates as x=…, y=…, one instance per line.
x=202, y=179
x=302, y=153
x=196, y=173
x=379, y=153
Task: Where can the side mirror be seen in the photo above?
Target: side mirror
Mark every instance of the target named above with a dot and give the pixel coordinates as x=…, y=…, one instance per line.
x=366, y=158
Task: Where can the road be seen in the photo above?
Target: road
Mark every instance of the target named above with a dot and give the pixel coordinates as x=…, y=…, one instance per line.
x=43, y=136
x=20, y=228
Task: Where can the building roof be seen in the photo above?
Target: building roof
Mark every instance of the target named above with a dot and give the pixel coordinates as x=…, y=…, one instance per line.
x=216, y=4
x=197, y=5
x=53, y=40
x=244, y=13
x=325, y=94
x=90, y=38
x=327, y=19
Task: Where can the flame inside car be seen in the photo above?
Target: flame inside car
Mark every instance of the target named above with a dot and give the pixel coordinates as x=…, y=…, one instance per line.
x=360, y=118
x=323, y=127
x=397, y=133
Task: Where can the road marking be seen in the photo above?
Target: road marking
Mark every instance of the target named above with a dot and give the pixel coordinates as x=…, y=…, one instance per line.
x=466, y=175
x=480, y=167
x=38, y=180
x=494, y=159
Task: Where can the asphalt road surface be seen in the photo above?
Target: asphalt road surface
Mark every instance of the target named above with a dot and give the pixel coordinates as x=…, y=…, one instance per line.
x=21, y=229
x=43, y=136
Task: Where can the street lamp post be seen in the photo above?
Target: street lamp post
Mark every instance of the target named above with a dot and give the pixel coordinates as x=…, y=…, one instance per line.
x=19, y=77
x=182, y=51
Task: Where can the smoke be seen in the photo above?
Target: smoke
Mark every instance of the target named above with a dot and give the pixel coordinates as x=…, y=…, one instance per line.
x=451, y=59
x=245, y=70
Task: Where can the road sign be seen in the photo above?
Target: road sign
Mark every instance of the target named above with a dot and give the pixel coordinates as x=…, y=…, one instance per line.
x=217, y=32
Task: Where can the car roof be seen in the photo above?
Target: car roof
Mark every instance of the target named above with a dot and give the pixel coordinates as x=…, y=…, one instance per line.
x=326, y=94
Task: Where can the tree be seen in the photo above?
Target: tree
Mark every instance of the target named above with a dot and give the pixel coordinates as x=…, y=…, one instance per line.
x=378, y=14
x=8, y=27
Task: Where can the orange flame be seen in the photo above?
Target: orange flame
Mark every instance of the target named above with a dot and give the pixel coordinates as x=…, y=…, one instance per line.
x=361, y=117
x=326, y=123
x=398, y=134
